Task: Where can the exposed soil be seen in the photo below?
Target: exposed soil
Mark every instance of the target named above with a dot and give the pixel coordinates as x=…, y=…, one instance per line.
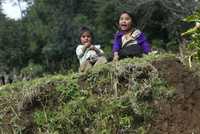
x=20, y=115
x=181, y=115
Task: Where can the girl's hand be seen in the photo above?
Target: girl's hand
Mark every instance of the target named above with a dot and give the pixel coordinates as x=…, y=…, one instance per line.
x=92, y=47
x=87, y=45
x=98, y=51
x=116, y=57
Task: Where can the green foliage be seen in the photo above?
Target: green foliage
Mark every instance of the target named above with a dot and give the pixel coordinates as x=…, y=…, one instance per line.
x=12, y=45
x=86, y=103
x=193, y=18
x=84, y=111
x=32, y=71
x=48, y=33
x=194, y=45
x=158, y=45
x=41, y=118
x=69, y=90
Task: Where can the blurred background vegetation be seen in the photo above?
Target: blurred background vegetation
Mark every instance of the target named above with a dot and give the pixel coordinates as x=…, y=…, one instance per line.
x=44, y=40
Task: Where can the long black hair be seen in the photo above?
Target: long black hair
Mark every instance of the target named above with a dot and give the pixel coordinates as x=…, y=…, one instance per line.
x=130, y=15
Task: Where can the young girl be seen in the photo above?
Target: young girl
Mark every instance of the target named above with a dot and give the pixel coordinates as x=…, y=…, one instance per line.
x=129, y=41
x=87, y=53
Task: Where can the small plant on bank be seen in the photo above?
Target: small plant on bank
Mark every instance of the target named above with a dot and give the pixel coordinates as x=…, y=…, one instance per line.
x=194, y=33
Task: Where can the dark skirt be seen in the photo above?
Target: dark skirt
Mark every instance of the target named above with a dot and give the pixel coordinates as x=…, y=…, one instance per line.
x=130, y=51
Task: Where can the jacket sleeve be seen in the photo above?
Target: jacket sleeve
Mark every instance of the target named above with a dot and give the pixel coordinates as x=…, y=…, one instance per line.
x=79, y=51
x=142, y=41
x=117, y=42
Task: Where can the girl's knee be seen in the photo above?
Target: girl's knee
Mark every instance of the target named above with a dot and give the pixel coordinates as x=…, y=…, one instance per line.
x=85, y=66
x=101, y=60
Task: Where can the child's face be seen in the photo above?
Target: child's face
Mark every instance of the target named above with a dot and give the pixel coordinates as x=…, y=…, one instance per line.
x=125, y=22
x=86, y=38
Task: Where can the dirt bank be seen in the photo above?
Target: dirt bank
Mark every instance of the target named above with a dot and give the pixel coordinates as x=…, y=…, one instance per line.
x=181, y=115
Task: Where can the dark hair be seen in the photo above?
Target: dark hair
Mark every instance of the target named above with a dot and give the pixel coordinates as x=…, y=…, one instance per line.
x=126, y=12
x=129, y=14
x=83, y=30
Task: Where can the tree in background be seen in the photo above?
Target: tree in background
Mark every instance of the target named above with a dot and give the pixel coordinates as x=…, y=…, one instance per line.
x=48, y=32
x=159, y=18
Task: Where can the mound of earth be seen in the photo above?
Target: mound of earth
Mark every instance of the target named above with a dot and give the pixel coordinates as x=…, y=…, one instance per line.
x=181, y=115
x=177, y=115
